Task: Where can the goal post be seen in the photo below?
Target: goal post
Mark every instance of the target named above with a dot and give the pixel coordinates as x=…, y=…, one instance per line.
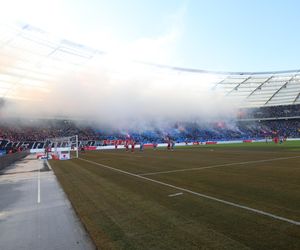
x=61, y=148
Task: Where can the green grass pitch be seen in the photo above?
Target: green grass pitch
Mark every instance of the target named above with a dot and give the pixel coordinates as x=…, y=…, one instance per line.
x=195, y=197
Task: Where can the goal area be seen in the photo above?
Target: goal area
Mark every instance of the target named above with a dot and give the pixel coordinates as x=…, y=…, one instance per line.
x=62, y=148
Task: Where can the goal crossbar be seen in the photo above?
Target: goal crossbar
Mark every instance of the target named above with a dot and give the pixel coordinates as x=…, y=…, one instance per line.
x=63, y=144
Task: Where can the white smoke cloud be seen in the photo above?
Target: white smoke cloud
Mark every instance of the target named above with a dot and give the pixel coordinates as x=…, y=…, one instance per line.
x=124, y=95
x=112, y=90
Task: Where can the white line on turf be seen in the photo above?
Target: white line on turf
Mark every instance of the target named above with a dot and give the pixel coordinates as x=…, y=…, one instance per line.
x=129, y=153
x=198, y=194
x=39, y=187
x=220, y=165
x=48, y=164
x=172, y=195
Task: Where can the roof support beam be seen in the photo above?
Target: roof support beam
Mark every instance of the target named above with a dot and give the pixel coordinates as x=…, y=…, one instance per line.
x=218, y=83
x=283, y=86
x=276, y=92
x=239, y=84
x=297, y=97
x=259, y=87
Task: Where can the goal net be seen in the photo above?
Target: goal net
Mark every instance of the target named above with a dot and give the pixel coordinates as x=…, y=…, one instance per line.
x=62, y=148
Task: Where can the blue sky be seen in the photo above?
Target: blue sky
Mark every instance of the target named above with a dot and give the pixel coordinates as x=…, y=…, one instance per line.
x=231, y=35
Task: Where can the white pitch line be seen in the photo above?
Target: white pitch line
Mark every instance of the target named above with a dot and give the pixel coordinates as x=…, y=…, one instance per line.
x=199, y=194
x=48, y=164
x=123, y=155
x=219, y=165
x=39, y=188
x=172, y=195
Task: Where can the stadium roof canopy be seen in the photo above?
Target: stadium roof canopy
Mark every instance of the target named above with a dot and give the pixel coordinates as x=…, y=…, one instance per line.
x=31, y=59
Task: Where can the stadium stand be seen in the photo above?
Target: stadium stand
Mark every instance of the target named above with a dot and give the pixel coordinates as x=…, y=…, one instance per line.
x=283, y=111
x=255, y=124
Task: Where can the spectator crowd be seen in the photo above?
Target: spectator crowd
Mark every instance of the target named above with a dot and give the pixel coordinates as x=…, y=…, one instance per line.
x=265, y=122
x=270, y=112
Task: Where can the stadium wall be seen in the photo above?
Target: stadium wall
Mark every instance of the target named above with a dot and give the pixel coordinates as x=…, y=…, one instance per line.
x=9, y=159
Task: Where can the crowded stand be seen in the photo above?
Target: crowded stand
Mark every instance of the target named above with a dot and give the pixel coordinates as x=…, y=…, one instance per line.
x=271, y=112
x=19, y=136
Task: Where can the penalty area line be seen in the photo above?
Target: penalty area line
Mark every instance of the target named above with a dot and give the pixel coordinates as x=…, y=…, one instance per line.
x=197, y=194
